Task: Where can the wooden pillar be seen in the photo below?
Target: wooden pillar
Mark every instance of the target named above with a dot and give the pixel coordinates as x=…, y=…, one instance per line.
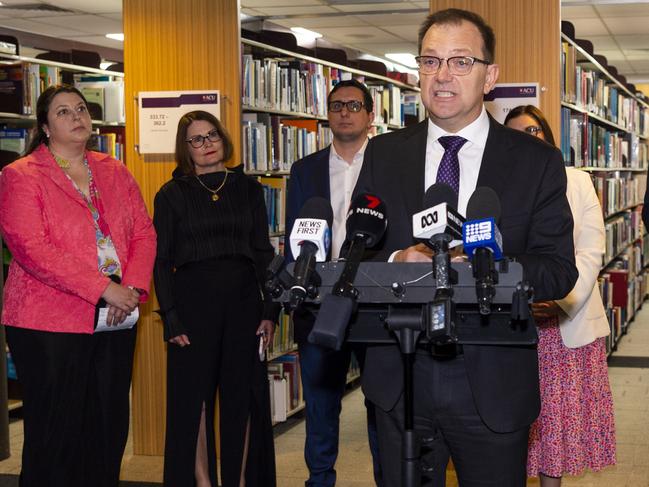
x=172, y=45
x=528, y=45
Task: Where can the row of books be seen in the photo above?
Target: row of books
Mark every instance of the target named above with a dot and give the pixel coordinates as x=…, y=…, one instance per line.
x=111, y=141
x=587, y=144
x=283, y=341
x=593, y=91
x=275, y=197
x=387, y=104
x=22, y=83
x=621, y=231
x=273, y=142
x=107, y=139
x=285, y=383
x=619, y=193
x=290, y=86
x=302, y=87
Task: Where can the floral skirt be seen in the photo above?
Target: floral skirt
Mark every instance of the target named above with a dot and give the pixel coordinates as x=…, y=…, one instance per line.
x=575, y=429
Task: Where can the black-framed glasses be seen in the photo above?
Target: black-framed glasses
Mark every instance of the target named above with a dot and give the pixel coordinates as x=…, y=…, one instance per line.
x=354, y=106
x=533, y=129
x=197, y=141
x=457, y=65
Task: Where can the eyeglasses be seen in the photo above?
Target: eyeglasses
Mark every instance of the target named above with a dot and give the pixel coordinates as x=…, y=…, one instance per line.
x=533, y=129
x=197, y=141
x=457, y=65
x=353, y=106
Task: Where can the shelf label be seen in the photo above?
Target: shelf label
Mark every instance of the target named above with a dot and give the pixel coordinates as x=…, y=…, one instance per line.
x=506, y=96
x=160, y=111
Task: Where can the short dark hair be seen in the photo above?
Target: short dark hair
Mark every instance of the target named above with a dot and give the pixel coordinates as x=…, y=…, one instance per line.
x=42, y=109
x=368, y=101
x=537, y=115
x=455, y=16
x=183, y=157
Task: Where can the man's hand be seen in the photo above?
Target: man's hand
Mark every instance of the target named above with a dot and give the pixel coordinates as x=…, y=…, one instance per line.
x=416, y=253
x=546, y=309
x=180, y=340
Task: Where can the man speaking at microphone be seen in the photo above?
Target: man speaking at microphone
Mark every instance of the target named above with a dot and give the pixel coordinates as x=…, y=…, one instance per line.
x=330, y=173
x=477, y=402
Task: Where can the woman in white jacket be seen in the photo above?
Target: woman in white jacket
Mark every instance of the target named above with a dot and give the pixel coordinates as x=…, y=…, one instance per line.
x=575, y=429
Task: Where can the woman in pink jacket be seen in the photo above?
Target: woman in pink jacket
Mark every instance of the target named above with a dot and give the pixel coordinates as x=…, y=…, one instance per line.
x=83, y=249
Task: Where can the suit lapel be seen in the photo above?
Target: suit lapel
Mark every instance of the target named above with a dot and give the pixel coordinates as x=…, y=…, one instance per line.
x=495, y=161
x=413, y=167
x=322, y=175
x=48, y=167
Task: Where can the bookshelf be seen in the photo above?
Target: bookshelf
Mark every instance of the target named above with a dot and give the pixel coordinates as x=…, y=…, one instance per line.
x=285, y=119
x=24, y=78
x=605, y=131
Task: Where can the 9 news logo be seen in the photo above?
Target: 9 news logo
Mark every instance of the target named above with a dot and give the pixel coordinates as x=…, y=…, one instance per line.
x=478, y=231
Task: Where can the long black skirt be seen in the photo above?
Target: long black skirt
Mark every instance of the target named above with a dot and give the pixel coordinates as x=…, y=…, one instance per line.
x=220, y=306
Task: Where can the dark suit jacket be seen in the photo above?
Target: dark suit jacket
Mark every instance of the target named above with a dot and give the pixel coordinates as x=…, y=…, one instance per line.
x=536, y=225
x=309, y=178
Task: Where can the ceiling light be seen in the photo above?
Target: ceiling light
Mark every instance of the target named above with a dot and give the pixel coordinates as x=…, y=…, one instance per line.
x=116, y=37
x=306, y=34
x=404, y=58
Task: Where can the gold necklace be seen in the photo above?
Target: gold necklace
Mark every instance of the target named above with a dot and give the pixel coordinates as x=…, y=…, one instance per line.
x=61, y=162
x=215, y=196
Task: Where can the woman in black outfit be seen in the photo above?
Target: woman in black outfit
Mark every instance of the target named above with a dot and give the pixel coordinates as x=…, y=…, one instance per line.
x=213, y=249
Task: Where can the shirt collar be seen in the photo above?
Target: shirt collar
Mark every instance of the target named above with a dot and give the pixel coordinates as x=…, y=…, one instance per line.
x=357, y=157
x=476, y=132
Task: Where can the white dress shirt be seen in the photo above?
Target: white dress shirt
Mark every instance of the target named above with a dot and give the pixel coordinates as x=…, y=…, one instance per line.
x=469, y=156
x=342, y=179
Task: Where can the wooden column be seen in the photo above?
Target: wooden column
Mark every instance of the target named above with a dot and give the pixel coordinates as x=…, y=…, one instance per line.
x=172, y=45
x=528, y=46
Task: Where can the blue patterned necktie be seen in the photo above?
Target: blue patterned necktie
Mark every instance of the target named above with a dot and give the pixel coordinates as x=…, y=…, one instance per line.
x=449, y=167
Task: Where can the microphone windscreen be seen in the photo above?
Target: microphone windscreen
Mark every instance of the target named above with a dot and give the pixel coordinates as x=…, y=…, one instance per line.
x=483, y=203
x=330, y=326
x=440, y=193
x=366, y=217
x=317, y=208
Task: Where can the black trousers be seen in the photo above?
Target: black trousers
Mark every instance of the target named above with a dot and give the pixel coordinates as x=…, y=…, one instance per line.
x=445, y=411
x=75, y=405
x=220, y=306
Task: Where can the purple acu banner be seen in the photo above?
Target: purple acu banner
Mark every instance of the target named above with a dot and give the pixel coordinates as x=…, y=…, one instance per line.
x=159, y=112
x=506, y=96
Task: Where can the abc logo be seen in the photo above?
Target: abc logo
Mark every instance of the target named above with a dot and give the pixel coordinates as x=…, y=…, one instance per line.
x=429, y=219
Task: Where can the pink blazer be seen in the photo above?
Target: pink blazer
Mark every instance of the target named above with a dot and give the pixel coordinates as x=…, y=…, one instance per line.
x=53, y=282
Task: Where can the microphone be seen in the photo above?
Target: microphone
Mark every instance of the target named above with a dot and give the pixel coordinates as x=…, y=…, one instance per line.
x=483, y=243
x=439, y=217
x=366, y=224
x=310, y=240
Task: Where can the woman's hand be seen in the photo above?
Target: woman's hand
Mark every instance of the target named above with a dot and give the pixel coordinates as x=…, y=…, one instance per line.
x=121, y=297
x=267, y=331
x=115, y=316
x=546, y=309
x=180, y=340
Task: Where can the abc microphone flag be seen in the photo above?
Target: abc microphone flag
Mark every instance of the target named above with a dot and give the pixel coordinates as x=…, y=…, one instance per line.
x=439, y=217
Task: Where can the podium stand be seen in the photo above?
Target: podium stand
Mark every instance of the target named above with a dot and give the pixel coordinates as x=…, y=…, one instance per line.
x=402, y=303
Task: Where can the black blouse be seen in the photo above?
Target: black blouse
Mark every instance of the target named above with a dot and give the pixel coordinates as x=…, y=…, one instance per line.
x=192, y=227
